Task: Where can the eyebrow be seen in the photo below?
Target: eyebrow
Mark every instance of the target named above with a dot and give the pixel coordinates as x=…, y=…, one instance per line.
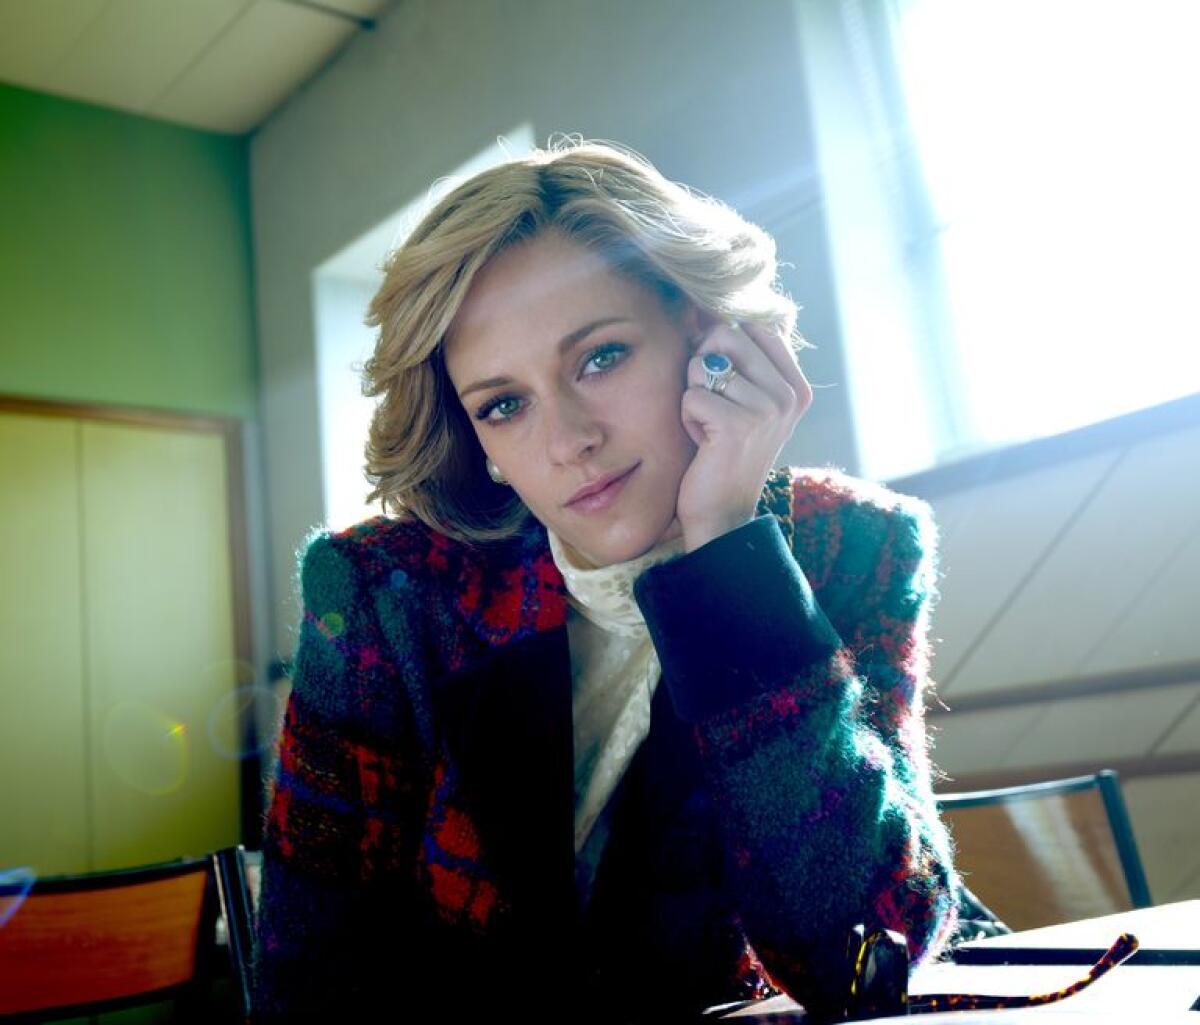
x=565, y=345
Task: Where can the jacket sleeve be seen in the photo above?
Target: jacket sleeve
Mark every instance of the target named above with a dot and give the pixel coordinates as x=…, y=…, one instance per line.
x=340, y=829
x=813, y=745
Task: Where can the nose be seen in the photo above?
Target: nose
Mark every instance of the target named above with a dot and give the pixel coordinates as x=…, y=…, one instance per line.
x=573, y=430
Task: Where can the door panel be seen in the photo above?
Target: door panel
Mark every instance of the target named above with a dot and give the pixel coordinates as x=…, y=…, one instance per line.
x=43, y=800
x=161, y=660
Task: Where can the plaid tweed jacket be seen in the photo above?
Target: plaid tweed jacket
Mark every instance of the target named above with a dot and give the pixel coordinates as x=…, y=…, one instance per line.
x=418, y=851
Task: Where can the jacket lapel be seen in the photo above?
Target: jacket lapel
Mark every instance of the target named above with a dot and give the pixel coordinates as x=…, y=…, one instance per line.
x=507, y=726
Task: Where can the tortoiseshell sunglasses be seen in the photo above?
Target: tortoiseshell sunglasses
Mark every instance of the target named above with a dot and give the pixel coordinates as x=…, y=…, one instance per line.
x=877, y=968
x=879, y=980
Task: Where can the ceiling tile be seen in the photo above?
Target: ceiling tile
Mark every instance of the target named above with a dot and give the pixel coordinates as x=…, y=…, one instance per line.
x=1099, y=729
x=248, y=73
x=359, y=8
x=1146, y=509
x=137, y=48
x=1161, y=626
x=1167, y=831
x=970, y=742
x=992, y=537
x=1188, y=888
x=1185, y=736
x=35, y=35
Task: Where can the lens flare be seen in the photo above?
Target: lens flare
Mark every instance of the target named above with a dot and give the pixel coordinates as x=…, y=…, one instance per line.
x=147, y=749
x=15, y=884
x=234, y=729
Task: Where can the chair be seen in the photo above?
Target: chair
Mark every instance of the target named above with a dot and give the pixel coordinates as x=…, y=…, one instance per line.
x=236, y=870
x=1048, y=852
x=88, y=944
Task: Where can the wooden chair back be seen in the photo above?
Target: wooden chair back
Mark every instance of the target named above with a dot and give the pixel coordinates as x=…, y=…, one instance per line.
x=1048, y=852
x=87, y=944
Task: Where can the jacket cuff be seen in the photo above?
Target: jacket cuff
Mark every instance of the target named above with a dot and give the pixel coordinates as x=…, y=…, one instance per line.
x=732, y=619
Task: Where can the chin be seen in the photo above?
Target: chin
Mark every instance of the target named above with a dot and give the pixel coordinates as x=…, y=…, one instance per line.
x=631, y=546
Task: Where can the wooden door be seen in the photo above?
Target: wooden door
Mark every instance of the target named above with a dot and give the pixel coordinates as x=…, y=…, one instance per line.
x=160, y=664
x=119, y=671
x=43, y=736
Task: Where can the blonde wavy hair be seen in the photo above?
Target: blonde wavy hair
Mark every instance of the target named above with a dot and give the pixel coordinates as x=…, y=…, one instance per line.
x=422, y=456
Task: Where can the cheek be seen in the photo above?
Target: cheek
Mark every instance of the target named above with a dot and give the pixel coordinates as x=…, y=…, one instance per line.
x=660, y=418
x=665, y=398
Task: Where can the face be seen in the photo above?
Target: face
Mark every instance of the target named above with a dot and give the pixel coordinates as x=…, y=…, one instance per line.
x=571, y=372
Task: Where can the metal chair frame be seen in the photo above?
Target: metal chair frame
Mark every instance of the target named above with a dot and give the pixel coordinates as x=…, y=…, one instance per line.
x=1108, y=783
x=233, y=892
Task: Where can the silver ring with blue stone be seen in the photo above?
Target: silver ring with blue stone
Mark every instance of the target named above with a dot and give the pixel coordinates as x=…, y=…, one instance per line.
x=718, y=371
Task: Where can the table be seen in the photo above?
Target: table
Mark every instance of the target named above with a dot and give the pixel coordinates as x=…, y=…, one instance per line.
x=1159, y=984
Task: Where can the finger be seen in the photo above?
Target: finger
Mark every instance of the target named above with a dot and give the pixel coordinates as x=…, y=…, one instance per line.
x=751, y=362
x=693, y=427
x=781, y=354
x=738, y=390
x=713, y=413
x=742, y=389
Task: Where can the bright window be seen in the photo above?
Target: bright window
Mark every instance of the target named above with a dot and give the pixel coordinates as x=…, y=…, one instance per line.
x=1039, y=165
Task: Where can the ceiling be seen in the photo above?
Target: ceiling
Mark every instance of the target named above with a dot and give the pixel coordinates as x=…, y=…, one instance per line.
x=221, y=65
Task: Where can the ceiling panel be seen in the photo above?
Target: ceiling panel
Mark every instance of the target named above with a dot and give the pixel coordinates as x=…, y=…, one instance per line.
x=35, y=35
x=248, y=73
x=1107, y=727
x=1167, y=830
x=992, y=537
x=1145, y=510
x=222, y=65
x=1185, y=735
x=970, y=742
x=137, y=48
x=359, y=8
x=1161, y=627
x=1188, y=888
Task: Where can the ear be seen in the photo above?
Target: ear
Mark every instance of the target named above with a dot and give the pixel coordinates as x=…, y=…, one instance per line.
x=695, y=324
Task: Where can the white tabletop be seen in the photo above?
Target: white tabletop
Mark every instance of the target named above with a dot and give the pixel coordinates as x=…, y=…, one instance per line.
x=1128, y=995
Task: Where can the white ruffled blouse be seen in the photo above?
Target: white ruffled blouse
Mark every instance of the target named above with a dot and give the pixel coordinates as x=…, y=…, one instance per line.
x=614, y=672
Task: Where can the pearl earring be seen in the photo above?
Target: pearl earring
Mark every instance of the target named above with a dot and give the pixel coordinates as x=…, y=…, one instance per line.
x=494, y=472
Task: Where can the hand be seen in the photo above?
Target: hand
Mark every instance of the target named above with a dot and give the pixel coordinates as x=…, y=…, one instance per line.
x=740, y=433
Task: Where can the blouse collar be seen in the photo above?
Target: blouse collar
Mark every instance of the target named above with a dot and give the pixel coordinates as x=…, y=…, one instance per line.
x=604, y=594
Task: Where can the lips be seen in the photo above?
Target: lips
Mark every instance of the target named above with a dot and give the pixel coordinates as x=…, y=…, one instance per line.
x=599, y=485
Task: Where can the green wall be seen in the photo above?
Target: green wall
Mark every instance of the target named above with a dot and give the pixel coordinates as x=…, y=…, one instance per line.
x=125, y=260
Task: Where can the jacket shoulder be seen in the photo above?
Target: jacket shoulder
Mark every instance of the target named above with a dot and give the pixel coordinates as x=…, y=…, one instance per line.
x=381, y=550
x=852, y=534
x=342, y=665
x=495, y=592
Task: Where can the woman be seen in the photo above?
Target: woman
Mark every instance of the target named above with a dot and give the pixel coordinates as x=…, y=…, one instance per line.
x=609, y=720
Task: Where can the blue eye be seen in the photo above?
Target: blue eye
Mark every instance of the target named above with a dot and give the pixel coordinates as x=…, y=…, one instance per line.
x=610, y=349
x=604, y=357
x=485, y=411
